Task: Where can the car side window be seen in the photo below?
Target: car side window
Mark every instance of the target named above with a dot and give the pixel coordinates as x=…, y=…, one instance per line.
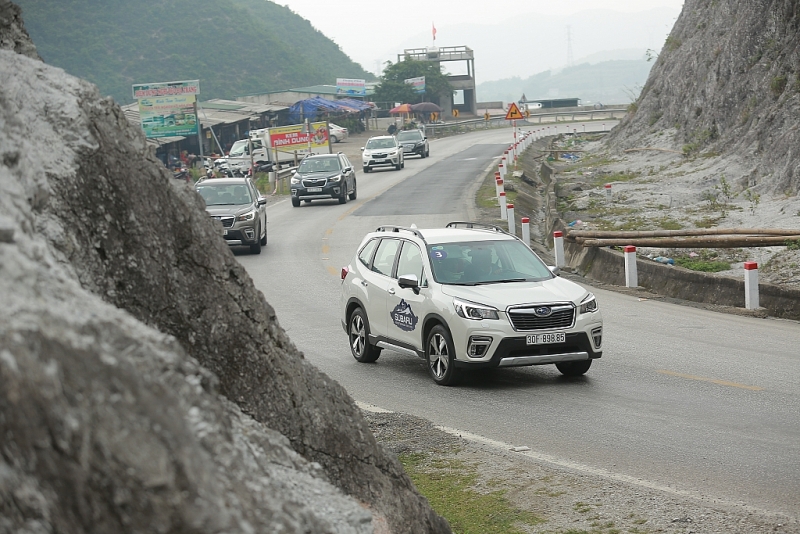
x=384, y=256
x=366, y=253
x=410, y=262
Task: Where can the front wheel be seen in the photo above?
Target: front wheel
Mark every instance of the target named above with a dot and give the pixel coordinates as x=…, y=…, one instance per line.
x=354, y=194
x=574, y=368
x=358, y=334
x=366, y=169
x=334, y=139
x=295, y=202
x=256, y=248
x=440, y=354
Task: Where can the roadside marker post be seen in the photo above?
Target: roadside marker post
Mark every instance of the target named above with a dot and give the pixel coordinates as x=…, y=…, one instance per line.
x=558, y=247
x=498, y=182
x=526, y=231
x=631, y=274
x=512, y=223
x=608, y=193
x=751, y=285
x=501, y=188
x=502, y=168
x=503, y=207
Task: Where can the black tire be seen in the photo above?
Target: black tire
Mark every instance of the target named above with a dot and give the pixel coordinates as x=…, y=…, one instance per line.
x=403, y=164
x=427, y=153
x=358, y=335
x=256, y=248
x=334, y=139
x=574, y=368
x=440, y=353
x=343, y=197
x=295, y=202
x=264, y=239
x=354, y=194
x=398, y=167
x=366, y=169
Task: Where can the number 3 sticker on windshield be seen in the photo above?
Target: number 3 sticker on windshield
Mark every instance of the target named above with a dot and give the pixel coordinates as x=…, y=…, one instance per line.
x=438, y=253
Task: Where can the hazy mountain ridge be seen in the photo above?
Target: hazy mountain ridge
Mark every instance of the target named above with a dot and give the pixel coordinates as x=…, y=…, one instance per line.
x=607, y=82
x=233, y=46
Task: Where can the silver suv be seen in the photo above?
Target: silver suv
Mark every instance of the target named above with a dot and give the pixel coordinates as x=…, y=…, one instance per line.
x=381, y=151
x=241, y=209
x=466, y=296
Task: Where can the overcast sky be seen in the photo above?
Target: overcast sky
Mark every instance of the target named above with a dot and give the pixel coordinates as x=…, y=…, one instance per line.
x=371, y=31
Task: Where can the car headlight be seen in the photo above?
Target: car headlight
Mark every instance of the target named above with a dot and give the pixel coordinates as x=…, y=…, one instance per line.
x=476, y=312
x=295, y=180
x=249, y=216
x=588, y=304
x=336, y=178
x=393, y=153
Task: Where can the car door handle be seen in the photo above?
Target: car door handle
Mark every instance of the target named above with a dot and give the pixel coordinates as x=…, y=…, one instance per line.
x=364, y=283
x=391, y=291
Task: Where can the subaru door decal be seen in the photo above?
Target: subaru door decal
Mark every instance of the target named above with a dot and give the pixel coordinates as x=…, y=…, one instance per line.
x=403, y=317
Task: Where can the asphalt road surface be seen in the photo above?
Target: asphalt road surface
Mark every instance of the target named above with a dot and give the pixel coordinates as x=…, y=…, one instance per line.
x=684, y=400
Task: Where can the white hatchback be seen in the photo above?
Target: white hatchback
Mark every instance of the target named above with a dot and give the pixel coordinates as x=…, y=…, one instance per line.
x=466, y=296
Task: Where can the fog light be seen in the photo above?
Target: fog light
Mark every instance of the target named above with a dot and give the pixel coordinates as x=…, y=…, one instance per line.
x=249, y=233
x=478, y=345
x=597, y=337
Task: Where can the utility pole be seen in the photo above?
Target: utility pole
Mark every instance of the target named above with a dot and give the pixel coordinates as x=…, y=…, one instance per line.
x=570, y=59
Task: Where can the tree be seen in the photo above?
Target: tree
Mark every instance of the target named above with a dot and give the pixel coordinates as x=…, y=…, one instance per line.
x=392, y=87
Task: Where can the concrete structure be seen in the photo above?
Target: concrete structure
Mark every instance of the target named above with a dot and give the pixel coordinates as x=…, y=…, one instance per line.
x=460, y=82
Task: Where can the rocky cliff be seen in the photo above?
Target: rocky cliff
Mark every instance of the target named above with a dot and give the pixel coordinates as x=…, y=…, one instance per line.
x=145, y=384
x=727, y=82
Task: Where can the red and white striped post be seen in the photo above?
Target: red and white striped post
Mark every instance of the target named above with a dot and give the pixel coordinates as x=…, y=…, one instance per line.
x=558, y=247
x=631, y=274
x=526, y=230
x=751, y=285
x=503, y=207
x=498, y=184
x=512, y=223
x=608, y=193
x=501, y=167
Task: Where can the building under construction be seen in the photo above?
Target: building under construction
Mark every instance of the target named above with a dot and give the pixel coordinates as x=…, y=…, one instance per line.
x=463, y=84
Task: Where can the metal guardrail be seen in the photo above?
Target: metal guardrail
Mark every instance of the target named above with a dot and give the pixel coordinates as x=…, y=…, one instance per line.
x=499, y=121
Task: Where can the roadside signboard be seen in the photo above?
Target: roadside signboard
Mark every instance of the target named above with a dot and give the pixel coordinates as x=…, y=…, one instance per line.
x=513, y=113
x=418, y=84
x=350, y=86
x=290, y=138
x=168, y=109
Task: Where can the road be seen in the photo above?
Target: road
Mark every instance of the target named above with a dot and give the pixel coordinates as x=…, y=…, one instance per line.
x=685, y=400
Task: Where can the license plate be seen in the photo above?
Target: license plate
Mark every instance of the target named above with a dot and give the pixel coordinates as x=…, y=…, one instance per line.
x=314, y=189
x=379, y=160
x=543, y=339
x=224, y=232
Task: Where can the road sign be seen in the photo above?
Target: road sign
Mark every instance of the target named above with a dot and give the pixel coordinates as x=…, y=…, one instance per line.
x=527, y=113
x=486, y=116
x=455, y=113
x=513, y=113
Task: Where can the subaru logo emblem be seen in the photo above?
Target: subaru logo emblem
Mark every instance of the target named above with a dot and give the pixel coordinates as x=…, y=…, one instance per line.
x=542, y=311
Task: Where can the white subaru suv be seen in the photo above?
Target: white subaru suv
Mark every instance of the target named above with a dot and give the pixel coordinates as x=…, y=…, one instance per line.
x=466, y=296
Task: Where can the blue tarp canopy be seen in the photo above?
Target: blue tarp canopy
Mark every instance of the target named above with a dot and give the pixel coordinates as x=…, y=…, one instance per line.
x=310, y=108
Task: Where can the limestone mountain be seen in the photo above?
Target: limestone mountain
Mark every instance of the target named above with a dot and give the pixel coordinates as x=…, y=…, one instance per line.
x=727, y=82
x=233, y=47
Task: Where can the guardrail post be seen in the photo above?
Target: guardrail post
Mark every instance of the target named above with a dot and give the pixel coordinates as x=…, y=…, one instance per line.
x=751, y=285
x=558, y=247
x=526, y=231
x=503, y=207
x=631, y=274
x=512, y=223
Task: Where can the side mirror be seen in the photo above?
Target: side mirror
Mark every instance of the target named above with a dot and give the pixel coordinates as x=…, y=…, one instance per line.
x=555, y=270
x=409, y=281
x=294, y=171
x=362, y=149
x=262, y=201
x=347, y=169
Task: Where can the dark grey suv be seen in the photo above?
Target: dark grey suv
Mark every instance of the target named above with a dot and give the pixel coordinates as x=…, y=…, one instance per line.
x=414, y=142
x=241, y=209
x=324, y=176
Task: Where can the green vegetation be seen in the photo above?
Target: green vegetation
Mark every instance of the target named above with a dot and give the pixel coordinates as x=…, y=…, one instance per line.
x=449, y=487
x=392, y=87
x=706, y=266
x=778, y=85
x=672, y=43
x=234, y=47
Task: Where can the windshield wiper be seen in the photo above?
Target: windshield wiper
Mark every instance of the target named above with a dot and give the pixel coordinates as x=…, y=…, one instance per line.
x=500, y=281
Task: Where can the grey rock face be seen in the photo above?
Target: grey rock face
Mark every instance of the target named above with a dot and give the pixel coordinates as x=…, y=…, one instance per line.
x=12, y=32
x=728, y=78
x=124, y=321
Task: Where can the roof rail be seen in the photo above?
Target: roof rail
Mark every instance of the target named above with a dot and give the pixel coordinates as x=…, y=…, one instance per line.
x=476, y=225
x=392, y=228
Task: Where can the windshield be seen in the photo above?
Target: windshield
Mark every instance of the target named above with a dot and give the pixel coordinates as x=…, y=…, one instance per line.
x=225, y=194
x=319, y=165
x=241, y=148
x=381, y=143
x=486, y=262
x=410, y=135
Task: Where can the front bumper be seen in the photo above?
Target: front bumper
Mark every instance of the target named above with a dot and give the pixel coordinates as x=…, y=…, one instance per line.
x=377, y=162
x=505, y=347
x=411, y=150
x=330, y=190
x=240, y=235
